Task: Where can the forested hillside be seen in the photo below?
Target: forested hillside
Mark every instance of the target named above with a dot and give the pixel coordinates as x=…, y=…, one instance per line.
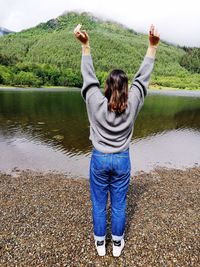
x=49, y=54
x=191, y=60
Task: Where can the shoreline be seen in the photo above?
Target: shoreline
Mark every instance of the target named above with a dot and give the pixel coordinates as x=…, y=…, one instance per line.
x=46, y=220
x=151, y=91
x=153, y=88
x=37, y=88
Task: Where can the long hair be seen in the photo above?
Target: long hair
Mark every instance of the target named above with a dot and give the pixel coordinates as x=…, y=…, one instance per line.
x=116, y=91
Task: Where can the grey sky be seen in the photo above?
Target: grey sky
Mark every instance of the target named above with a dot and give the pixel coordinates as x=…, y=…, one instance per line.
x=177, y=20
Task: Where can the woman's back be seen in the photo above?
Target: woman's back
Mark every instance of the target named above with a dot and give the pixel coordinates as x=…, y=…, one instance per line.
x=111, y=132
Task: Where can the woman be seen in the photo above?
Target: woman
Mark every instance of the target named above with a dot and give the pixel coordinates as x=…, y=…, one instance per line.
x=112, y=118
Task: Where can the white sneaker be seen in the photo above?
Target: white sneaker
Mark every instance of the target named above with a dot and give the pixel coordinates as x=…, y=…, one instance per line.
x=117, y=247
x=101, y=247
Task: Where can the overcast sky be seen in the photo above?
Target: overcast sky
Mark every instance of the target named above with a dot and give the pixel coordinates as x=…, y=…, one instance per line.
x=177, y=20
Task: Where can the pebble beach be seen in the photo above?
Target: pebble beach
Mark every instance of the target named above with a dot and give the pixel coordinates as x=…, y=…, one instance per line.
x=45, y=220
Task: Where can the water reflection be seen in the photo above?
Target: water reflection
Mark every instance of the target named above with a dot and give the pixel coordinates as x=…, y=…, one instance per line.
x=49, y=130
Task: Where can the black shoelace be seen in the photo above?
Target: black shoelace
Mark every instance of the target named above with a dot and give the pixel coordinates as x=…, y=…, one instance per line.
x=100, y=243
x=117, y=243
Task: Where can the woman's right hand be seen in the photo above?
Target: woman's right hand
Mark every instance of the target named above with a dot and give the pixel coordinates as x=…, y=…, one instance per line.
x=154, y=36
x=82, y=36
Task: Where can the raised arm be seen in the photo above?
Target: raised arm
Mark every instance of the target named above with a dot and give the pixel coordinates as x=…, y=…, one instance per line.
x=90, y=80
x=141, y=80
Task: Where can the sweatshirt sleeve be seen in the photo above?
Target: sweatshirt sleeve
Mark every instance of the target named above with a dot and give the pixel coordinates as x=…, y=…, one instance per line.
x=141, y=80
x=90, y=81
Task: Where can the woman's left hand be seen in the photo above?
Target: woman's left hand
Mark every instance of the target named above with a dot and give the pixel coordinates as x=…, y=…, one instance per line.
x=154, y=36
x=82, y=36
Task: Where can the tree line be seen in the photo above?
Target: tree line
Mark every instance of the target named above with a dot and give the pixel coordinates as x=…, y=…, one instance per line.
x=49, y=55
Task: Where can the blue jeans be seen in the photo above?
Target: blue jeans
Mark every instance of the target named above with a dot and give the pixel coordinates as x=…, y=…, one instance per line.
x=109, y=173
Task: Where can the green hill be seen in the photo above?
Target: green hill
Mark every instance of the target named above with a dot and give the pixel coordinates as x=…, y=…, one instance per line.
x=191, y=60
x=49, y=54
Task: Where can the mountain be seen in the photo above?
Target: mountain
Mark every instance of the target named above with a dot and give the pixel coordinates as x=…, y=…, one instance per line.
x=4, y=31
x=49, y=54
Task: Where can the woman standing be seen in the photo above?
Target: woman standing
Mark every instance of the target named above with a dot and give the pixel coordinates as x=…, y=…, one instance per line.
x=112, y=116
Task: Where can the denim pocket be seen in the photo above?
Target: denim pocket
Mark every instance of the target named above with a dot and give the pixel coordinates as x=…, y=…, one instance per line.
x=122, y=164
x=98, y=162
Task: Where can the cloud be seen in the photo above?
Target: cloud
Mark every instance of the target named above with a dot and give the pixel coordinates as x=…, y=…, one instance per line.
x=178, y=21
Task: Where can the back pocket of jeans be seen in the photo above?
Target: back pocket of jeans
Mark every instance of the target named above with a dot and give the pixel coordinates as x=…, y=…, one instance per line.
x=98, y=163
x=122, y=164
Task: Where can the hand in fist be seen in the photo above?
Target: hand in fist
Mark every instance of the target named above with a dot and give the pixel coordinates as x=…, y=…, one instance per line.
x=154, y=36
x=82, y=36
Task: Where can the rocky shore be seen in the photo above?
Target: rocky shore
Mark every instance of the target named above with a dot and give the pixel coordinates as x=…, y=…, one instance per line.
x=45, y=220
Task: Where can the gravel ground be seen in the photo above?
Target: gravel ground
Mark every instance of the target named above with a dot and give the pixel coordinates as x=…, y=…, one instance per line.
x=45, y=220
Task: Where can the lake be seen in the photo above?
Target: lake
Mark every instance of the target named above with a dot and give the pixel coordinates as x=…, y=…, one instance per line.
x=48, y=130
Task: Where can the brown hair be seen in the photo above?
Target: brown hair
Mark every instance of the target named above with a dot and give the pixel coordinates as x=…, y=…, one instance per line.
x=116, y=91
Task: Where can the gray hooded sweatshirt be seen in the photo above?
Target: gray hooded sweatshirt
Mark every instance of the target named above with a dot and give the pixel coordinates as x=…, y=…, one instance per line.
x=109, y=132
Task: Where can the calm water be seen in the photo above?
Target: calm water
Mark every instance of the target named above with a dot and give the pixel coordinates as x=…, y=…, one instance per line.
x=47, y=129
